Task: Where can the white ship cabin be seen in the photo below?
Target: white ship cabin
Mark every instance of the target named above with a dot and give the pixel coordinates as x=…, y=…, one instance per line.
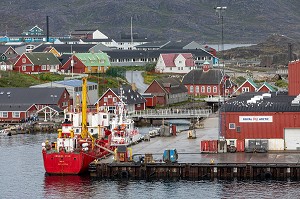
x=95, y=121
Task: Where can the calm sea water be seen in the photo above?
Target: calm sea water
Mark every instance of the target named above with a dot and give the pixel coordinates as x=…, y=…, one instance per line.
x=22, y=176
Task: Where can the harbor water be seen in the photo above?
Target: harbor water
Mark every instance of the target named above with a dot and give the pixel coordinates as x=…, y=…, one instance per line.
x=22, y=175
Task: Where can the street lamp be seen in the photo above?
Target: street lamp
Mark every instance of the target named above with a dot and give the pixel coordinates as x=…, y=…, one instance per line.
x=220, y=10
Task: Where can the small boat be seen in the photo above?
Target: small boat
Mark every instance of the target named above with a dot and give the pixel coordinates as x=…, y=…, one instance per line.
x=123, y=130
x=74, y=149
x=5, y=132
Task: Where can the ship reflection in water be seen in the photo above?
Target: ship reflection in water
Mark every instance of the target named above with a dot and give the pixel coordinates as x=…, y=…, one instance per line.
x=68, y=186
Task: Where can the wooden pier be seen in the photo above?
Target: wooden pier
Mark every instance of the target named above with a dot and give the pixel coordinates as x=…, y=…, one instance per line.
x=187, y=171
x=194, y=165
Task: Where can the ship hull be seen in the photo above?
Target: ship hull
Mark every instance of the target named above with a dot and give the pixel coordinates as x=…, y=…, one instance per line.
x=63, y=163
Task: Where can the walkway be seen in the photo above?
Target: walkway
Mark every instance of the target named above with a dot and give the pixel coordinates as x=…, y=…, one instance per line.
x=171, y=113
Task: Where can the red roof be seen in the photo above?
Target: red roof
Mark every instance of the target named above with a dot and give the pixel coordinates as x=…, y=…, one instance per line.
x=169, y=59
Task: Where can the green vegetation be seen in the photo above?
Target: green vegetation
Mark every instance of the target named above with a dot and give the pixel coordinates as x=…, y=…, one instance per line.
x=239, y=80
x=15, y=79
x=281, y=84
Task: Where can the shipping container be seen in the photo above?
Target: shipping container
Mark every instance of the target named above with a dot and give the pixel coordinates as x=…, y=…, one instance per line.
x=204, y=145
x=276, y=144
x=213, y=146
x=257, y=145
x=209, y=146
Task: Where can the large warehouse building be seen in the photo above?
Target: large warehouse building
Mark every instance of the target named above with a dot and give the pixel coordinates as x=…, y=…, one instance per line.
x=269, y=120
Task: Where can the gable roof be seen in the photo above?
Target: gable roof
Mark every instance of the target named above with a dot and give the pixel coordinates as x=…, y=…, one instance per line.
x=266, y=84
x=74, y=83
x=169, y=59
x=30, y=95
x=174, y=85
x=42, y=58
x=196, y=76
x=93, y=59
x=278, y=102
x=66, y=48
x=15, y=107
x=250, y=82
x=129, y=96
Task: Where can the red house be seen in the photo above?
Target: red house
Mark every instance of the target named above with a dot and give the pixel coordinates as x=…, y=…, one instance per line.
x=208, y=82
x=151, y=100
x=16, y=113
x=266, y=88
x=37, y=63
x=112, y=97
x=248, y=86
x=167, y=91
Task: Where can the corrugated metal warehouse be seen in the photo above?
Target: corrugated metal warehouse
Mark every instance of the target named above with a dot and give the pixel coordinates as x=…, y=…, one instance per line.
x=269, y=119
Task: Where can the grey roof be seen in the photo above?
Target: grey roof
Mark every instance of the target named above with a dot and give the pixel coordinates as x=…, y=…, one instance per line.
x=129, y=96
x=174, y=84
x=198, y=76
x=64, y=58
x=119, y=54
x=73, y=82
x=176, y=45
x=68, y=39
x=3, y=48
x=66, y=48
x=153, y=44
x=38, y=58
x=30, y=95
x=15, y=107
x=278, y=102
x=97, y=40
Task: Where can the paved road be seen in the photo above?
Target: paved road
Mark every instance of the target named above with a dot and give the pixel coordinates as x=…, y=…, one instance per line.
x=137, y=78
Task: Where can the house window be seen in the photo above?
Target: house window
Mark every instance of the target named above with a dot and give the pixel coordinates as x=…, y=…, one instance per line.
x=16, y=115
x=24, y=60
x=23, y=68
x=44, y=67
x=170, y=68
x=197, y=89
x=139, y=105
x=114, y=99
x=191, y=89
x=4, y=114
x=238, y=129
x=245, y=89
x=208, y=89
x=179, y=62
x=231, y=125
x=214, y=89
x=178, y=68
x=202, y=89
x=105, y=99
x=65, y=95
x=109, y=96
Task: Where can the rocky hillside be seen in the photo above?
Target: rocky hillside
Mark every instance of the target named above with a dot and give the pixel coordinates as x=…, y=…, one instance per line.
x=273, y=51
x=244, y=21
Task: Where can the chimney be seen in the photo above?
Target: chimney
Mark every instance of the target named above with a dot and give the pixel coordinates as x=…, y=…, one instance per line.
x=206, y=66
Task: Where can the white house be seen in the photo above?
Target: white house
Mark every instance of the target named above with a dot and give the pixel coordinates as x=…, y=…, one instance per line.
x=175, y=63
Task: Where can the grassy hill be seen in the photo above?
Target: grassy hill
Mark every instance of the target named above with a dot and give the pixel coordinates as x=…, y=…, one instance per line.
x=244, y=21
x=15, y=79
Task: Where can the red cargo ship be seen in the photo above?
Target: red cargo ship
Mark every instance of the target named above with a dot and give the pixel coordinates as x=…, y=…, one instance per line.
x=74, y=151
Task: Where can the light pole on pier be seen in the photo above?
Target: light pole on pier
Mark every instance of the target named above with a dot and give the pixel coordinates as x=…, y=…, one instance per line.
x=220, y=11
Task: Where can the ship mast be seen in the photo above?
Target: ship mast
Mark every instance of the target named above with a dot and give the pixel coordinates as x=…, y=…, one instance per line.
x=84, y=130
